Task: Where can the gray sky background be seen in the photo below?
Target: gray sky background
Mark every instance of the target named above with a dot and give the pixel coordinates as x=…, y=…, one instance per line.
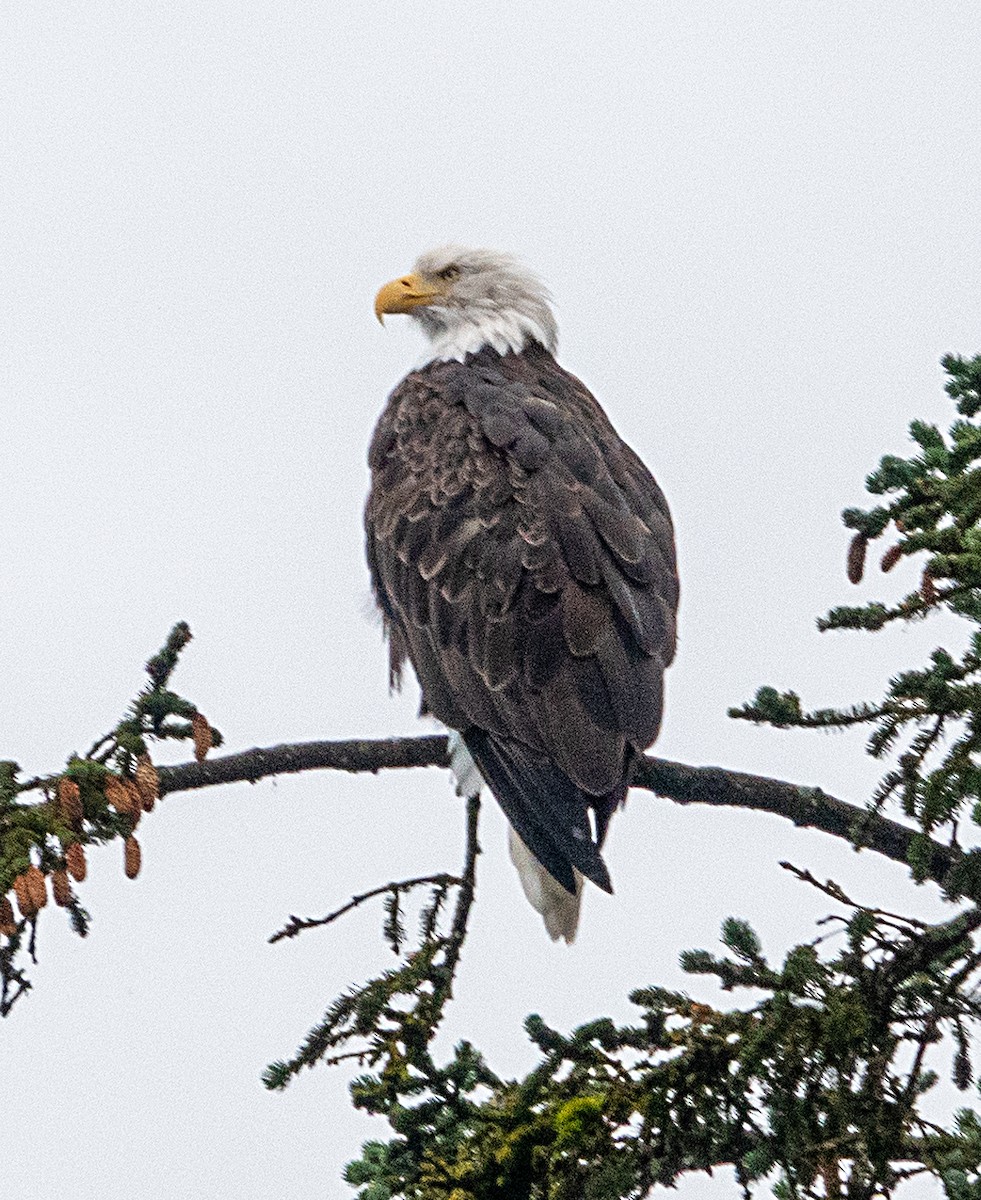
x=760, y=223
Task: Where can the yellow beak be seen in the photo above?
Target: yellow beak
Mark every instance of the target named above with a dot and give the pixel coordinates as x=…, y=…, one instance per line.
x=403, y=295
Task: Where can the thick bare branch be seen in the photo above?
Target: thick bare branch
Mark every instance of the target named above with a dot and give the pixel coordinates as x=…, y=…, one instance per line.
x=358, y=755
x=807, y=807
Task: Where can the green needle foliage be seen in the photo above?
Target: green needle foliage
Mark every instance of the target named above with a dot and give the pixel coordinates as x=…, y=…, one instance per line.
x=929, y=720
x=813, y=1089
x=393, y=1018
x=38, y=833
x=814, y=1084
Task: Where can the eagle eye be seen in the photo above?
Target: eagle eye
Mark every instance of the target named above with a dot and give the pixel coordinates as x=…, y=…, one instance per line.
x=450, y=272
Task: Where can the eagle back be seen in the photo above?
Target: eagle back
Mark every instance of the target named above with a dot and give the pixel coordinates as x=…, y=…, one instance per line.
x=524, y=560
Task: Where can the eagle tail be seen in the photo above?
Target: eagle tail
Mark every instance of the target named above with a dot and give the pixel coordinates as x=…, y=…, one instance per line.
x=559, y=909
x=547, y=811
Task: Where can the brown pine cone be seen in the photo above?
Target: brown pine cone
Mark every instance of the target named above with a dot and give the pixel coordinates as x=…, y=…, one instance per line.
x=37, y=886
x=201, y=732
x=118, y=794
x=132, y=857
x=148, y=782
x=25, y=901
x=856, y=558
x=70, y=800
x=61, y=889
x=891, y=557
x=135, y=801
x=75, y=861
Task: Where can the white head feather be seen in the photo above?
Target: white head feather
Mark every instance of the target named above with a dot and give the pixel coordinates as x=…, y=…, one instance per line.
x=487, y=299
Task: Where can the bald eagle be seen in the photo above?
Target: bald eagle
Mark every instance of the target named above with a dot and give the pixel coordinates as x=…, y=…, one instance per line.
x=523, y=560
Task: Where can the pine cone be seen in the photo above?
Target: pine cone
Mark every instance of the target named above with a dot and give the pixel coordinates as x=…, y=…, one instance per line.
x=856, y=558
x=8, y=926
x=75, y=861
x=135, y=801
x=37, y=886
x=118, y=795
x=928, y=589
x=148, y=782
x=25, y=901
x=70, y=800
x=891, y=557
x=61, y=889
x=201, y=732
x=132, y=857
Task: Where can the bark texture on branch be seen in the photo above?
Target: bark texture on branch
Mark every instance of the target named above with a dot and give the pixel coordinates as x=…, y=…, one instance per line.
x=807, y=807
x=356, y=756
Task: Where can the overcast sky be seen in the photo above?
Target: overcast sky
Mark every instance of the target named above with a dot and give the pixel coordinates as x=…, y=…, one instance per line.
x=760, y=224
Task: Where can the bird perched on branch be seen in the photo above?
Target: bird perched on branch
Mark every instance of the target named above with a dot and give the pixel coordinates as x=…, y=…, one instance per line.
x=523, y=559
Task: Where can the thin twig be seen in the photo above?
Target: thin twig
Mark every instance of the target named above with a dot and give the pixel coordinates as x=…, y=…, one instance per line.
x=925, y=1039
x=464, y=902
x=919, y=950
x=360, y=1055
x=834, y=890
x=296, y=925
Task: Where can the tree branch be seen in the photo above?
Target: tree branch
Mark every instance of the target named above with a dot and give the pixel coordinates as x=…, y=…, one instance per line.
x=296, y=925
x=807, y=807
x=356, y=756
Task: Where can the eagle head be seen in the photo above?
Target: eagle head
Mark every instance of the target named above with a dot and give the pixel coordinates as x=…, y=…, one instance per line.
x=467, y=299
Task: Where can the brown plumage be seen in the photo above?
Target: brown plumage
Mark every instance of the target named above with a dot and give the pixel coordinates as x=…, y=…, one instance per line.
x=523, y=558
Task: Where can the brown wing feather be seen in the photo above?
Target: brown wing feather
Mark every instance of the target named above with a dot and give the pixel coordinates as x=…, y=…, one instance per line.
x=523, y=557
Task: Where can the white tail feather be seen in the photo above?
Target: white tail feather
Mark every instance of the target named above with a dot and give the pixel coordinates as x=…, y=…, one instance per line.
x=559, y=909
x=468, y=779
